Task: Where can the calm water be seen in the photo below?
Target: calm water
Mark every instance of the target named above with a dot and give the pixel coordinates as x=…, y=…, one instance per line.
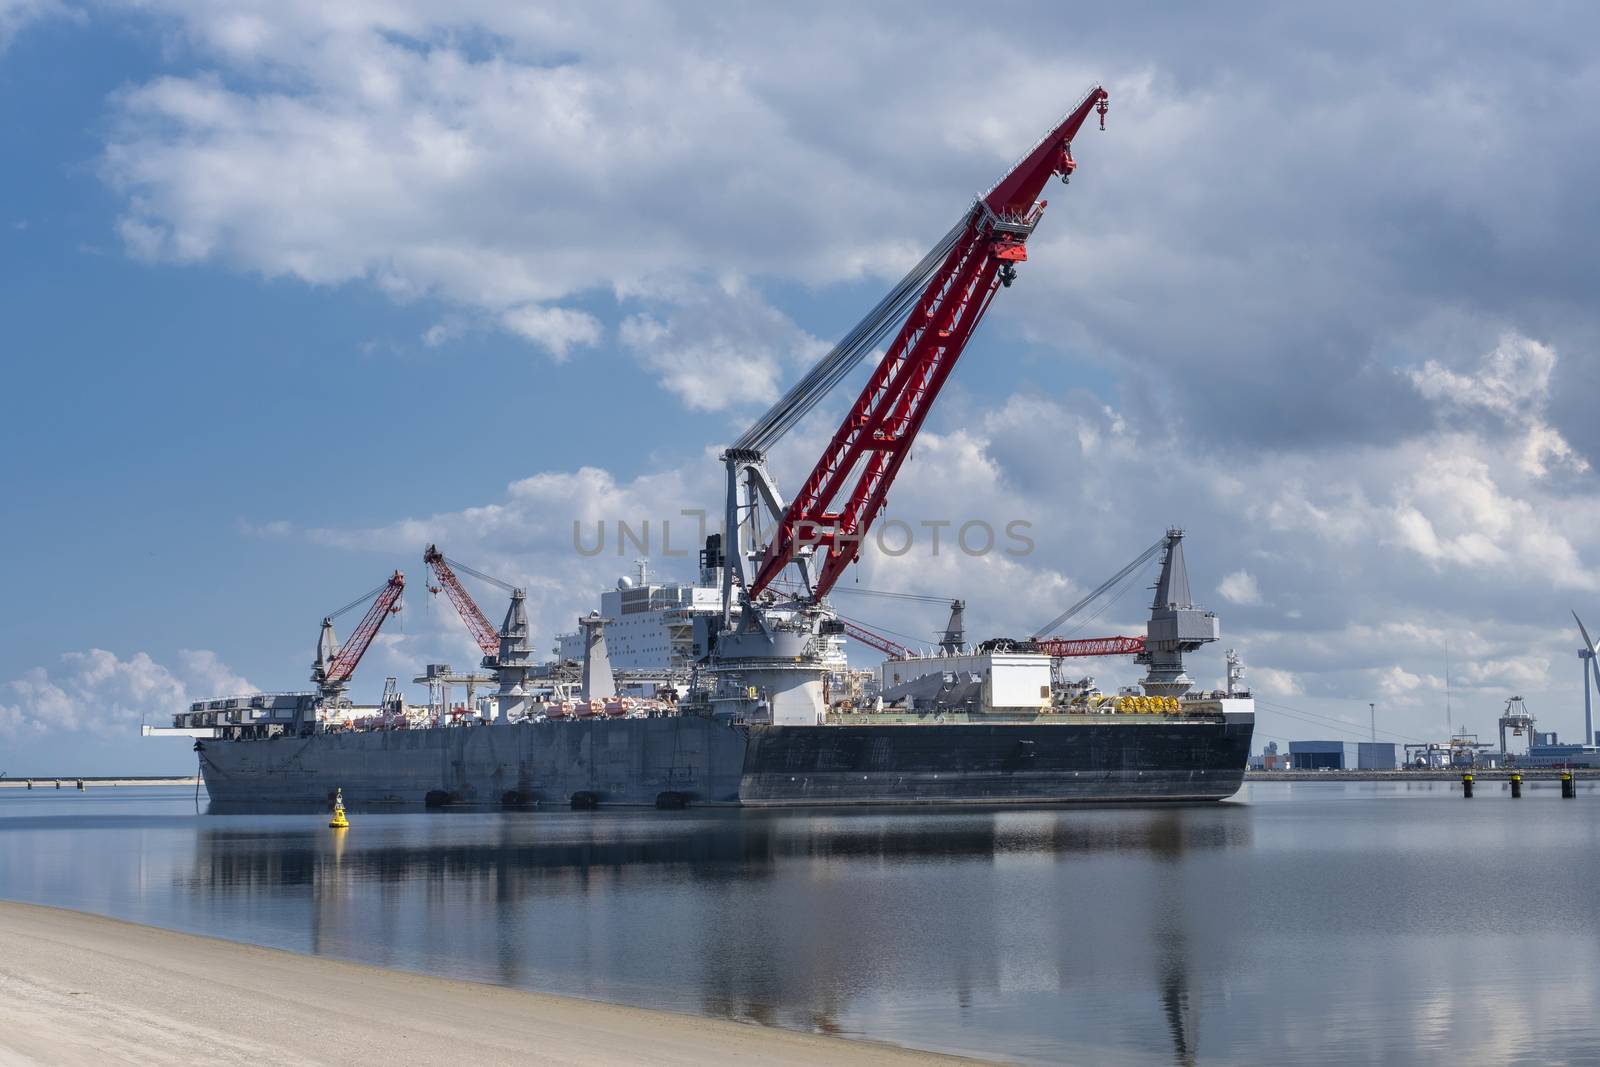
x=1321, y=922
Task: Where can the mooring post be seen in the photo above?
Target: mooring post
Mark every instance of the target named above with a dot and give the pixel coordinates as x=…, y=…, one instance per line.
x=1516, y=785
x=1568, y=790
x=1466, y=786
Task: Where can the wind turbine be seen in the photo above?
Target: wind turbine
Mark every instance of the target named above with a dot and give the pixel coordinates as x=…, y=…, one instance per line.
x=1586, y=656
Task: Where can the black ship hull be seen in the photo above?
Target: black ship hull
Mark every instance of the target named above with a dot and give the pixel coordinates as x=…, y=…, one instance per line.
x=678, y=760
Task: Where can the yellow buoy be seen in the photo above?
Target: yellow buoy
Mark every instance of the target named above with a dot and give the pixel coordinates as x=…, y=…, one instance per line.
x=338, y=822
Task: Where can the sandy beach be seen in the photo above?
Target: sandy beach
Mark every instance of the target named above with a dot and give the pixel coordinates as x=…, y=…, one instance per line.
x=81, y=989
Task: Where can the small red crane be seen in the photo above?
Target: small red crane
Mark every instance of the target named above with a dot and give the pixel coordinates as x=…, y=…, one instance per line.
x=483, y=631
x=335, y=663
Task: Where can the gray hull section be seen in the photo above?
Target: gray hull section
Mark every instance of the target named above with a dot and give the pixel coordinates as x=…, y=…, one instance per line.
x=996, y=764
x=627, y=761
x=644, y=762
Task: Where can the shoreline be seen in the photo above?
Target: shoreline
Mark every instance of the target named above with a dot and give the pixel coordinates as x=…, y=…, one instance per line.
x=77, y=988
x=70, y=781
x=1501, y=774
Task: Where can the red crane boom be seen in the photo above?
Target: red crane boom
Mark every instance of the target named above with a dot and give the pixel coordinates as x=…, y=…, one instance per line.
x=866, y=452
x=877, y=641
x=386, y=604
x=483, y=631
x=1091, y=646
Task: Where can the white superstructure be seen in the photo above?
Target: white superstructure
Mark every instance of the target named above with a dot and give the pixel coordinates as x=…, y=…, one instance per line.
x=995, y=681
x=650, y=627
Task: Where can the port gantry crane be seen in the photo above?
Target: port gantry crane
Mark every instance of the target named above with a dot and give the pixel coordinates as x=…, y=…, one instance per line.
x=936, y=308
x=506, y=651
x=335, y=663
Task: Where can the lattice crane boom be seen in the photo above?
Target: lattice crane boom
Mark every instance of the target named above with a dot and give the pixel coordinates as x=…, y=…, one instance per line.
x=1067, y=647
x=875, y=640
x=482, y=630
x=830, y=515
x=1062, y=648
x=386, y=603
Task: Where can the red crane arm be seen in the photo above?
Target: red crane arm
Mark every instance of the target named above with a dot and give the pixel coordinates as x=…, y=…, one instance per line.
x=483, y=632
x=1091, y=646
x=387, y=603
x=870, y=445
x=872, y=640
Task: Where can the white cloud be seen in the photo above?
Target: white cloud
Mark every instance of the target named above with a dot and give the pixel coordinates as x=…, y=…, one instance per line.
x=97, y=690
x=495, y=156
x=204, y=673
x=1454, y=509
x=16, y=15
x=443, y=332
x=1274, y=682
x=383, y=145
x=721, y=346
x=1543, y=446
x=1239, y=588
x=1397, y=683
x=1527, y=669
x=1458, y=493
x=555, y=329
x=1513, y=382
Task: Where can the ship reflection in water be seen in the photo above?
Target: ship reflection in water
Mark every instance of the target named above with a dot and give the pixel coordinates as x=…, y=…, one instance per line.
x=770, y=917
x=1304, y=924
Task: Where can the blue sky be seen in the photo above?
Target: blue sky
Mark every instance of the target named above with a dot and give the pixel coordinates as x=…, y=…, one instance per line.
x=289, y=295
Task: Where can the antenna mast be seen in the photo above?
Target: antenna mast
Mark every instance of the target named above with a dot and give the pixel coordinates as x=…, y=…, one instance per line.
x=1449, y=721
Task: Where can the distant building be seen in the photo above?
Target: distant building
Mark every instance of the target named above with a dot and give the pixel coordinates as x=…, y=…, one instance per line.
x=1557, y=755
x=1376, y=756
x=1343, y=755
x=1270, y=759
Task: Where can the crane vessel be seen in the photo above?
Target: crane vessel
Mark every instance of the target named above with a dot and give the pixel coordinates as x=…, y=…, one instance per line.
x=753, y=723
